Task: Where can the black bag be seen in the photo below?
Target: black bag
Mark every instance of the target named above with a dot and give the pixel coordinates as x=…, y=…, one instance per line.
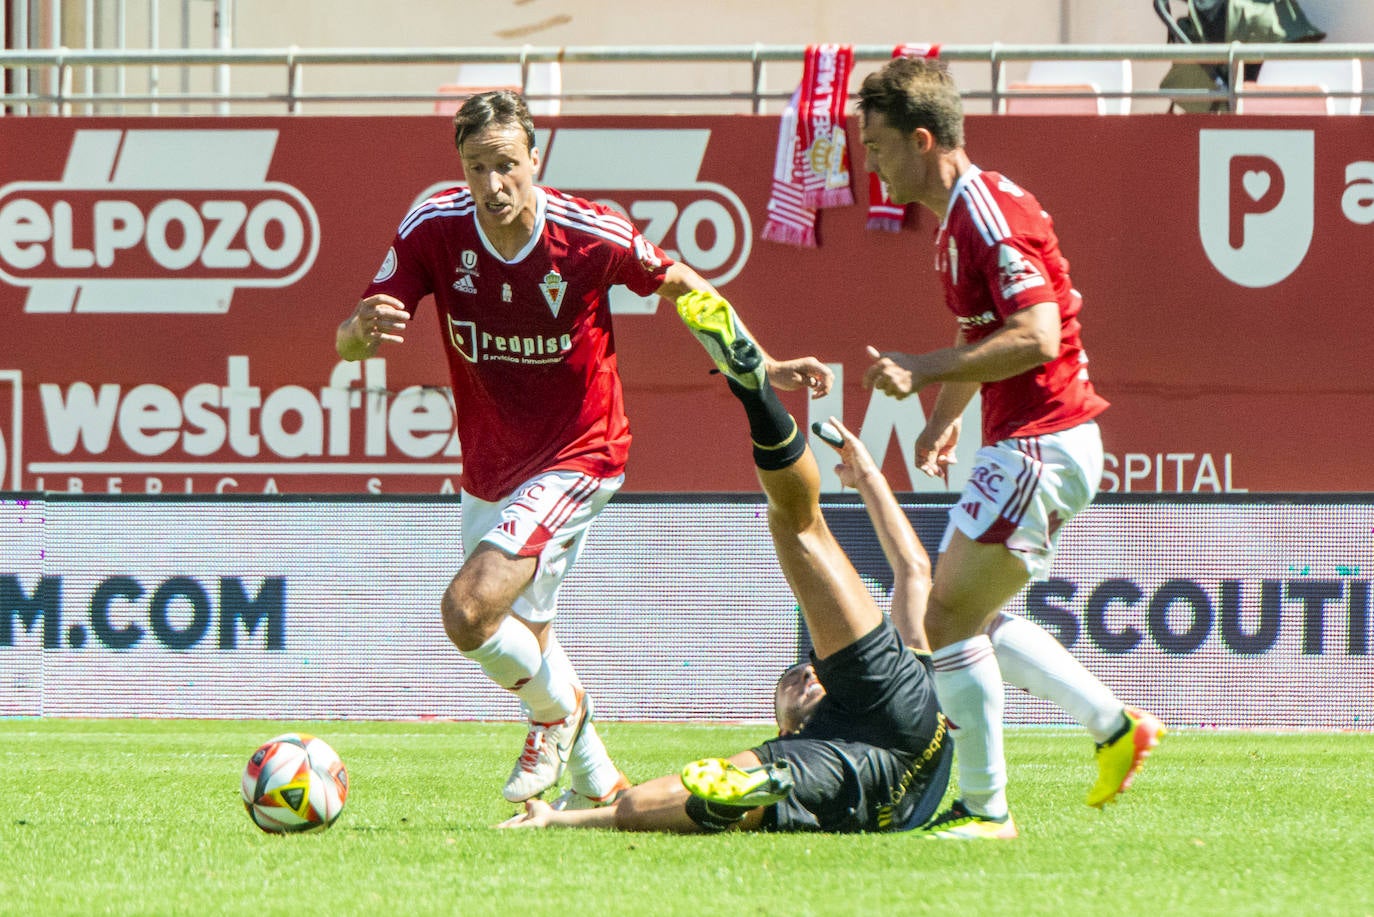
x=1222, y=22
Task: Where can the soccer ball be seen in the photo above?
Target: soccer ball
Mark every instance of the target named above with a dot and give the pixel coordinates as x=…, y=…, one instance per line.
x=294, y=782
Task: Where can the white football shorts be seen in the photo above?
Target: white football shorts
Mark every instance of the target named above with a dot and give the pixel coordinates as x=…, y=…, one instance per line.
x=1022, y=490
x=547, y=517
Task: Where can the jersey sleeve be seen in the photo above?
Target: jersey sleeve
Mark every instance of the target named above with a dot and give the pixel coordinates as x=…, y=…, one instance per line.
x=1016, y=276
x=403, y=273
x=642, y=267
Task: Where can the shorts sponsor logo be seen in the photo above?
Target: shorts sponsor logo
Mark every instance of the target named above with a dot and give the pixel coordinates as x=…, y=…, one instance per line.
x=156, y=221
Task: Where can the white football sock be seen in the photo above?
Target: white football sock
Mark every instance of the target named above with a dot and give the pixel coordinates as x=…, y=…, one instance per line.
x=511, y=657
x=590, y=766
x=1032, y=659
x=969, y=687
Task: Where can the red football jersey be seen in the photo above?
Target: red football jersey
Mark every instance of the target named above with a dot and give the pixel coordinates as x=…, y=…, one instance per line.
x=530, y=350
x=997, y=253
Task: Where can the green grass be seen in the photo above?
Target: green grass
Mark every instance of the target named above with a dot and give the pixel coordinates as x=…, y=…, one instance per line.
x=129, y=817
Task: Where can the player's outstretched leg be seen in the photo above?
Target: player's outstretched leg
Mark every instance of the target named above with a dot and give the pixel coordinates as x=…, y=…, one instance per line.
x=714, y=323
x=1120, y=758
x=777, y=442
x=834, y=600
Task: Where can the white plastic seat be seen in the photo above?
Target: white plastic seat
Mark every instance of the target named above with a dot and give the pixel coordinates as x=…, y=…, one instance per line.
x=1302, y=100
x=546, y=78
x=1103, y=76
x=1069, y=99
x=1337, y=75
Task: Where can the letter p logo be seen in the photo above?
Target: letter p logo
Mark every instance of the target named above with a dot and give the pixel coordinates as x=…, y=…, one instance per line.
x=1255, y=202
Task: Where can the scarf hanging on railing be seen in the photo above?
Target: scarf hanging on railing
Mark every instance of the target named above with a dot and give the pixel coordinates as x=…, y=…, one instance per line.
x=811, y=168
x=882, y=212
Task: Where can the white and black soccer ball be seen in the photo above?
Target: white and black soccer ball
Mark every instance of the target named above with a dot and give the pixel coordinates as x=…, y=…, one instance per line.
x=293, y=783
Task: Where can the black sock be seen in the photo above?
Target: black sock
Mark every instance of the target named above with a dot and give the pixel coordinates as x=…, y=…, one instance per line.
x=778, y=442
x=714, y=817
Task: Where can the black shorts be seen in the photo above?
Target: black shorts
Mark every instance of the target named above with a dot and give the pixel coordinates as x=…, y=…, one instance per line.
x=876, y=754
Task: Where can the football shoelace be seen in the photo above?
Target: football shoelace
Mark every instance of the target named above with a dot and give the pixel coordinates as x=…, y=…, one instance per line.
x=534, y=740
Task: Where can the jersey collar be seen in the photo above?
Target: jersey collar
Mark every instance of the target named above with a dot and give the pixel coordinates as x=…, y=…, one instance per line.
x=541, y=202
x=969, y=175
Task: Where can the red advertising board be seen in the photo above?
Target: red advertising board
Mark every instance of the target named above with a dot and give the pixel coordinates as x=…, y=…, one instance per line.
x=170, y=289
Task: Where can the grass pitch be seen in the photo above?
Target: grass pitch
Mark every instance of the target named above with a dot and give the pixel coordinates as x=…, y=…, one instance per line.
x=144, y=817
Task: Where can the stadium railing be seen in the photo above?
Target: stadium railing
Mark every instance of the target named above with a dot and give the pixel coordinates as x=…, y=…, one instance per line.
x=69, y=81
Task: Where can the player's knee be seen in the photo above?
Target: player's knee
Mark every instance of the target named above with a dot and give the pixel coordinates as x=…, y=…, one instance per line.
x=468, y=622
x=793, y=521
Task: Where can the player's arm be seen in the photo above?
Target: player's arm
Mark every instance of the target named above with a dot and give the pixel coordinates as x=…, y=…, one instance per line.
x=1028, y=338
x=657, y=805
x=375, y=319
x=801, y=372
x=903, y=549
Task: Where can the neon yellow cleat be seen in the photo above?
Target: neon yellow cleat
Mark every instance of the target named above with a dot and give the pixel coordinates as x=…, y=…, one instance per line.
x=1120, y=758
x=957, y=823
x=717, y=780
x=714, y=323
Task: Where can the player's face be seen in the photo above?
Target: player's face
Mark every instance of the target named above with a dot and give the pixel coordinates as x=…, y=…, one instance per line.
x=796, y=696
x=895, y=156
x=500, y=167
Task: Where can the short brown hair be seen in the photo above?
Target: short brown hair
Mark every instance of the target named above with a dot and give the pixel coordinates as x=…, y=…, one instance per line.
x=501, y=107
x=912, y=92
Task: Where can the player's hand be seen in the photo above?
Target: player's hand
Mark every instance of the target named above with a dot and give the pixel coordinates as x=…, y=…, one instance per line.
x=934, y=450
x=536, y=815
x=803, y=372
x=376, y=319
x=856, y=462
x=890, y=373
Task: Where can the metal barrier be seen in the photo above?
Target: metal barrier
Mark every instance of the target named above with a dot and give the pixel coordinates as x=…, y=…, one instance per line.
x=62, y=95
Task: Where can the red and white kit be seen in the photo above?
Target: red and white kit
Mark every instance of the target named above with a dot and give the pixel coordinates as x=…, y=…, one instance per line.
x=529, y=343
x=1041, y=460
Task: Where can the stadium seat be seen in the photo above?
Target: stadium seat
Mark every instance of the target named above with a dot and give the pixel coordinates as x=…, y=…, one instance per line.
x=1303, y=100
x=1072, y=76
x=1077, y=99
x=1324, y=76
x=544, y=79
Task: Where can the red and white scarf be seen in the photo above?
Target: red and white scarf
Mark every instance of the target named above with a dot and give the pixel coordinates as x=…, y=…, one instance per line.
x=811, y=168
x=882, y=213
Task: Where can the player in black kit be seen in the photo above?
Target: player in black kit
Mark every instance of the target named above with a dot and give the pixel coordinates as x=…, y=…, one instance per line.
x=862, y=745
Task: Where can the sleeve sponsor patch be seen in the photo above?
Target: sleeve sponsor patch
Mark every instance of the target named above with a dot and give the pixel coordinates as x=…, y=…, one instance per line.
x=1015, y=272
x=388, y=268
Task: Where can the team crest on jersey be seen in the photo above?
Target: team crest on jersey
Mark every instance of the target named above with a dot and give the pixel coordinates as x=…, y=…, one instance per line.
x=464, y=284
x=505, y=292
x=1014, y=272
x=553, y=287
x=468, y=262
x=463, y=336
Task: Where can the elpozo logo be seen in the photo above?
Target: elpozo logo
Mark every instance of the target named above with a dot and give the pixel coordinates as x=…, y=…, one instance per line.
x=156, y=221
x=1256, y=202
